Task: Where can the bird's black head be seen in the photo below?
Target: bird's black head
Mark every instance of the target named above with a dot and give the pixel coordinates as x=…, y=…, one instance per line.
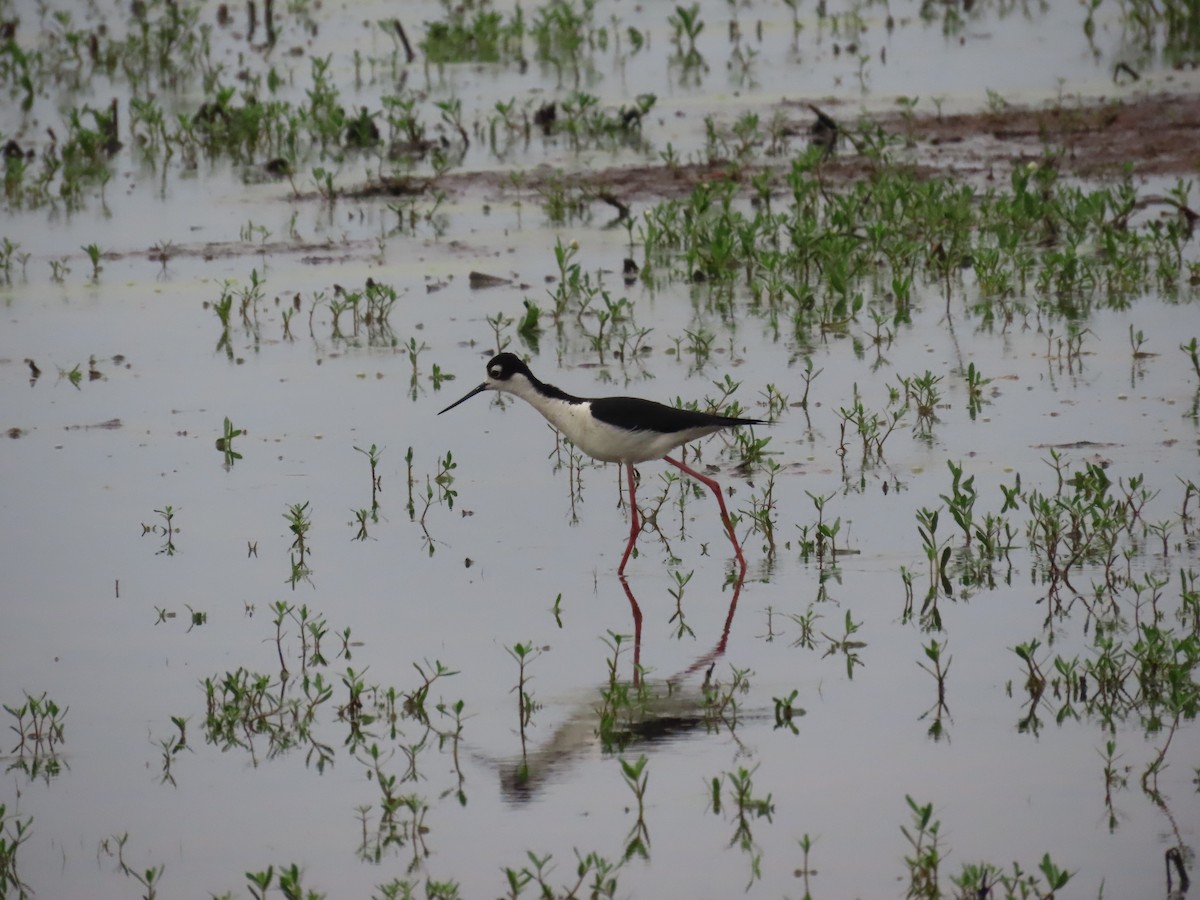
x=502, y=368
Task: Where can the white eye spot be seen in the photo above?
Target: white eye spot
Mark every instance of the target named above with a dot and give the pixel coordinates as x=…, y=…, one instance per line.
x=494, y=371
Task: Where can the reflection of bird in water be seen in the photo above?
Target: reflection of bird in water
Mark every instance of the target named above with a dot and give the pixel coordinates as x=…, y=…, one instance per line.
x=624, y=714
x=624, y=430
x=660, y=712
x=1174, y=858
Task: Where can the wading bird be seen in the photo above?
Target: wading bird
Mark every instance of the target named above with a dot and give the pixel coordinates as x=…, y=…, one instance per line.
x=626, y=430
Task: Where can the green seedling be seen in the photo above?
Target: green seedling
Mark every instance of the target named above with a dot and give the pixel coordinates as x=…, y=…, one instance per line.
x=299, y=524
x=872, y=428
x=681, y=582
x=166, y=528
x=381, y=299
x=438, y=488
x=564, y=35
x=975, y=386
x=470, y=34
x=324, y=183
x=225, y=442
x=438, y=377
x=150, y=878
x=806, y=871
x=1012, y=495
x=786, y=712
x=249, y=299
x=809, y=375
x=762, y=503
x=1137, y=341
x=938, y=556
x=14, y=831
x=847, y=645
x=745, y=807
x=361, y=131
x=414, y=350
x=686, y=26
x=939, y=668
x=373, y=454
x=290, y=882
x=825, y=533
x=776, y=401
x=40, y=730
x=961, y=501
x=163, y=252
x=414, y=701
x=411, y=505
x=252, y=233
x=637, y=843
x=7, y=251
x=171, y=748
x=921, y=391
x=1192, y=349
x=74, y=375
x=445, y=479
x=1035, y=679
x=245, y=708
x=223, y=307
x=94, y=254
x=924, y=846
x=807, y=622
x=524, y=654
x=595, y=876
x=720, y=698
x=613, y=642
x=499, y=324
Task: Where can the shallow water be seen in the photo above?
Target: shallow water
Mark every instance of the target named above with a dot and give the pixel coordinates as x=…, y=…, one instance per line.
x=101, y=620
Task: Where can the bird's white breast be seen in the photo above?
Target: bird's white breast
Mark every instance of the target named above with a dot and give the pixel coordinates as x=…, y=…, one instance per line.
x=610, y=443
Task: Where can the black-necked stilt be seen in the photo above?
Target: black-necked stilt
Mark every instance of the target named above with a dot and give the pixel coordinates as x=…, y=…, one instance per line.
x=626, y=430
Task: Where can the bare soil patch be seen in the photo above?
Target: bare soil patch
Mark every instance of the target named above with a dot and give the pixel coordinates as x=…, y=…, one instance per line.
x=1152, y=135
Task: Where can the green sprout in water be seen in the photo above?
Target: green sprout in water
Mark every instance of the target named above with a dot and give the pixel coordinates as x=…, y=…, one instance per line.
x=746, y=806
x=225, y=443
x=149, y=878
x=529, y=329
x=95, y=254
x=298, y=524
x=500, y=323
x=75, y=375
x=13, y=833
x=686, y=26
x=372, y=454
x=524, y=654
x=681, y=581
x=7, y=250
x=1193, y=351
x=167, y=529
x=636, y=777
x=939, y=668
x=975, y=385
x=786, y=712
x=39, y=727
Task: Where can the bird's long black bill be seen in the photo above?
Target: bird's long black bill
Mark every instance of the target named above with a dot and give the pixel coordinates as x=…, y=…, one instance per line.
x=481, y=388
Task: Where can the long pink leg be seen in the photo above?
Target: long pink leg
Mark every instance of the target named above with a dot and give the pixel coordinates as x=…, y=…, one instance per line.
x=716, y=489
x=634, y=526
x=637, y=631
